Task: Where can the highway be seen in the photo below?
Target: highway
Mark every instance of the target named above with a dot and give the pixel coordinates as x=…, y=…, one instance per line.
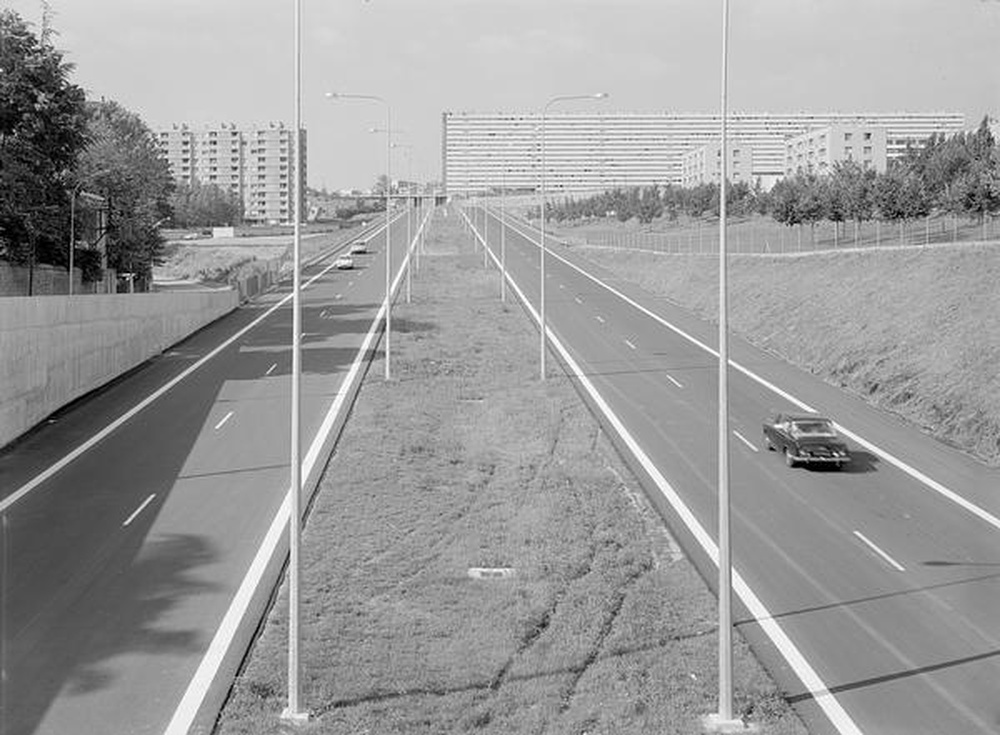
x=871, y=594
x=123, y=570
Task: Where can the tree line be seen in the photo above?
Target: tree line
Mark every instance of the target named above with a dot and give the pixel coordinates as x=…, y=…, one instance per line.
x=957, y=175
x=55, y=143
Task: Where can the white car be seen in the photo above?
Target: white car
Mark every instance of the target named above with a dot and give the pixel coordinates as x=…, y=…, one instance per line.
x=359, y=248
x=344, y=263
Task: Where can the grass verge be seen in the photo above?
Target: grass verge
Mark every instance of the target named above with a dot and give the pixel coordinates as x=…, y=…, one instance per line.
x=465, y=460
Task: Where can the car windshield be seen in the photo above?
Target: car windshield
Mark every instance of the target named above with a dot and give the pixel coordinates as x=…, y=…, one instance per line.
x=813, y=428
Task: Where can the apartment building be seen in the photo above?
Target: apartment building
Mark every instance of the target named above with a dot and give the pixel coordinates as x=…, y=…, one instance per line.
x=703, y=165
x=818, y=150
x=255, y=163
x=587, y=152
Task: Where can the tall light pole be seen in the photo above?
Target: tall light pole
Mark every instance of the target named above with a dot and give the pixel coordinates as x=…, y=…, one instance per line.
x=294, y=711
x=388, y=198
x=722, y=721
x=407, y=149
x=541, y=298
x=503, y=233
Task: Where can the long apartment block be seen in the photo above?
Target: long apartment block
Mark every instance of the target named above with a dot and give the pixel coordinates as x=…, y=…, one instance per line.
x=255, y=163
x=587, y=152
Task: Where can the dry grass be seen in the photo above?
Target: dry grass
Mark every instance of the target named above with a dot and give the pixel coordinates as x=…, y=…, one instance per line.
x=914, y=331
x=466, y=460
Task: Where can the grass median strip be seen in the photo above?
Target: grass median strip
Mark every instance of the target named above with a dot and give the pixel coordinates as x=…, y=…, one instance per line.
x=478, y=559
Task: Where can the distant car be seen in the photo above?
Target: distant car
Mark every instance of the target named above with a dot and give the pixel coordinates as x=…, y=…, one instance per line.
x=359, y=248
x=344, y=263
x=805, y=440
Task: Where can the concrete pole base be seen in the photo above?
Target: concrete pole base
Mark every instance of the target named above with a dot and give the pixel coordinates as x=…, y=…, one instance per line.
x=715, y=723
x=296, y=718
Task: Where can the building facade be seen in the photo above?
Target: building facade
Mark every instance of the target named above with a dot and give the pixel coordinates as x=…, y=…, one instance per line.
x=819, y=150
x=587, y=152
x=703, y=165
x=255, y=163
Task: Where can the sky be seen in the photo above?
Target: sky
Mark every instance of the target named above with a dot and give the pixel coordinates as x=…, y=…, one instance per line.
x=213, y=61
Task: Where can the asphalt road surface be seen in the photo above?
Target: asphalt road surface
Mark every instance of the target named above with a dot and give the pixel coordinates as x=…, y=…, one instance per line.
x=872, y=593
x=118, y=569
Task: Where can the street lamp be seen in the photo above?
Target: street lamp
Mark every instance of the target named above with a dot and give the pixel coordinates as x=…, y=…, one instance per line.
x=294, y=711
x=388, y=195
x=545, y=109
x=407, y=148
x=722, y=721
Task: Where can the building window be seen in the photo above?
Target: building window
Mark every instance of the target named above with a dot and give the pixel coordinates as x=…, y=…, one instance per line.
x=848, y=136
x=867, y=150
x=868, y=136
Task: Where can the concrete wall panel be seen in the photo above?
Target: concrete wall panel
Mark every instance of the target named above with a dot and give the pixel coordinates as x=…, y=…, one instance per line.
x=54, y=349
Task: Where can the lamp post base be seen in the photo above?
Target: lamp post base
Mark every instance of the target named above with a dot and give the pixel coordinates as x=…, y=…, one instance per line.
x=715, y=723
x=296, y=718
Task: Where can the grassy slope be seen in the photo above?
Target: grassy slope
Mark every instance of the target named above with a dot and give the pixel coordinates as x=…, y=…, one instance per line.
x=466, y=460
x=914, y=331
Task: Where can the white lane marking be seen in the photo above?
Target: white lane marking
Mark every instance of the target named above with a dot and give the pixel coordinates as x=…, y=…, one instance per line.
x=224, y=420
x=810, y=679
x=888, y=559
x=744, y=440
x=271, y=369
x=145, y=402
x=350, y=283
x=208, y=669
x=674, y=380
x=139, y=510
x=561, y=286
x=577, y=299
x=631, y=346
x=600, y=319
x=338, y=296
x=913, y=472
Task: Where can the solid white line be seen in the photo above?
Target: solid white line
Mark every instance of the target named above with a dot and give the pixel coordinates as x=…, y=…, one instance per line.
x=673, y=380
x=892, y=562
x=632, y=346
x=224, y=420
x=577, y=299
x=600, y=319
x=138, y=510
x=820, y=692
x=916, y=474
x=271, y=369
x=145, y=402
x=744, y=440
x=207, y=670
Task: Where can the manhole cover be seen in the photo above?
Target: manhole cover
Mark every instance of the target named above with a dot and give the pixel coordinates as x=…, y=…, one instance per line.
x=490, y=572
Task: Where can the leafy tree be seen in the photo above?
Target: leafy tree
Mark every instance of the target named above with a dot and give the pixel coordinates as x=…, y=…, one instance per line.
x=204, y=205
x=855, y=192
x=122, y=163
x=42, y=129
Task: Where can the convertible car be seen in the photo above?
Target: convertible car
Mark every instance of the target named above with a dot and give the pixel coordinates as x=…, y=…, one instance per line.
x=805, y=440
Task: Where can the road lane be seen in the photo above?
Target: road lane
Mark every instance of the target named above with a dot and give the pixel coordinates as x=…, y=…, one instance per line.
x=871, y=631
x=97, y=615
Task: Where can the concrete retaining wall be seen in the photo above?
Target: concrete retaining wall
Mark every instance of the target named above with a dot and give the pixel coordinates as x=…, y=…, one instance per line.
x=54, y=349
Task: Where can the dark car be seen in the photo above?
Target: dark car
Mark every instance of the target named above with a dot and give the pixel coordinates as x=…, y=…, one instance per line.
x=805, y=440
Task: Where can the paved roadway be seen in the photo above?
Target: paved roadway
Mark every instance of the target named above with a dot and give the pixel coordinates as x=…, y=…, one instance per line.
x=117, y=570
x=872, y=594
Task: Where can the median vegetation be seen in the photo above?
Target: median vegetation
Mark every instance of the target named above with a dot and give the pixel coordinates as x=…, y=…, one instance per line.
x=587, y=619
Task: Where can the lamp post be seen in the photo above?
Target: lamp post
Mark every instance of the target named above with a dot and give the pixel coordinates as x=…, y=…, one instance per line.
x=541, y=298
x=388, y=197
x=407, y=148
x=722, y=720
x=294, y=711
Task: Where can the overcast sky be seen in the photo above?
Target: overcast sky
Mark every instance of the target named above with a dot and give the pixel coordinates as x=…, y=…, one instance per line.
x=211, y=61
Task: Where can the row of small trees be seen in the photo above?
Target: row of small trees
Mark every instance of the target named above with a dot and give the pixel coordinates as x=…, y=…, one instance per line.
x=959, y=175
x=54, y=143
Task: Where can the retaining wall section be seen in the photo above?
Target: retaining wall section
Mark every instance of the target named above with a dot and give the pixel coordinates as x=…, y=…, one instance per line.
x=54, y=349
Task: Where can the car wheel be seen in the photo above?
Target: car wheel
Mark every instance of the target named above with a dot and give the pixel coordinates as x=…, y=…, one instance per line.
x=768, y=444
x=789, y=460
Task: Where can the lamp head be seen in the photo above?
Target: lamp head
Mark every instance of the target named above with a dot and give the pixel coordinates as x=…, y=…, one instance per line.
x=332, y=95
x=601, y=96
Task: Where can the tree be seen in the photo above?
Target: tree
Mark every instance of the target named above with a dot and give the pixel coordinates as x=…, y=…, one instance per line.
x=122, y=163
x=204, y=205
x=42, y=130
